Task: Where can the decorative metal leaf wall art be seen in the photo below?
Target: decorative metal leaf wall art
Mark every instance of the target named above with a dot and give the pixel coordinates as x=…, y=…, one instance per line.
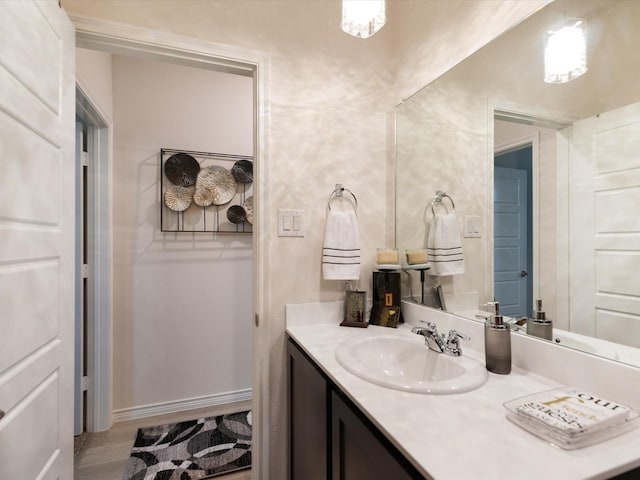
x=219, y=181
x=242, y=171
x=236, y=214
x=182, y=169
x=248, y=207
x=178, y=198
x=205, y=192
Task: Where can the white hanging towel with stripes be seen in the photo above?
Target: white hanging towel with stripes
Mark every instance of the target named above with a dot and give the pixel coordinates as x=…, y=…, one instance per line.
x=444, y=246
x=341, y=249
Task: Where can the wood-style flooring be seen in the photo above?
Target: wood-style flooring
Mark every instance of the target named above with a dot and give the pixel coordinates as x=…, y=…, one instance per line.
x=106, y=453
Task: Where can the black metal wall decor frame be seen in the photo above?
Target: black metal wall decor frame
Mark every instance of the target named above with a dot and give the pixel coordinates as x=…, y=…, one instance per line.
x=205, y=192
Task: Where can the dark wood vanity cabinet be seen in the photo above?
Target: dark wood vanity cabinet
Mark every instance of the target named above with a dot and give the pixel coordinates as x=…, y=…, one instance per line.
x=358, y=452
x=308, y=417
x=329, y=438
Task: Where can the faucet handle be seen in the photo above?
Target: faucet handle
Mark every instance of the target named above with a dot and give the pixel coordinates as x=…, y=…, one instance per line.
x=431, y=327
x=454, y=335
x=453, y=341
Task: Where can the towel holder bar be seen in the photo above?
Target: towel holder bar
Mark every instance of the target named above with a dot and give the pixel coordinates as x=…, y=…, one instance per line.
x=337, y=193
x=438, y=199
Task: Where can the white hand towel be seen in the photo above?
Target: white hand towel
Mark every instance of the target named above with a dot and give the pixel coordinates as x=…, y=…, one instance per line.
x=444, y=246
x=341, y=252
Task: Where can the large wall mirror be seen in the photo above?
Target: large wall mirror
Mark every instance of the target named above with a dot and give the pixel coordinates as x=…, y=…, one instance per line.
x=545, y=178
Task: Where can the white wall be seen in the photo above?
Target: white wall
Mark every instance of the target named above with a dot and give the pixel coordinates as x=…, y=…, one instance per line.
x=182, y=301
x=330, y=121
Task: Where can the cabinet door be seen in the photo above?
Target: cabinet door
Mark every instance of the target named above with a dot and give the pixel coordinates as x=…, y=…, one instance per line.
x=358, y=454
x=308, y=424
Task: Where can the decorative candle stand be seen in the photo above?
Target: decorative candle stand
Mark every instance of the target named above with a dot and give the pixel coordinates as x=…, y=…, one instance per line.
x=423, y=267
x=385, y=309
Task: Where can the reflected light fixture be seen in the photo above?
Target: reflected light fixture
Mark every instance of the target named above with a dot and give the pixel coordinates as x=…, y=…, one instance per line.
x=565, y=52
x=363, y=18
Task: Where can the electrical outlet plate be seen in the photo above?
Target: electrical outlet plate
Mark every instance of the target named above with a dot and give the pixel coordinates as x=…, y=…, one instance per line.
x=472, y=226
x=290, y=222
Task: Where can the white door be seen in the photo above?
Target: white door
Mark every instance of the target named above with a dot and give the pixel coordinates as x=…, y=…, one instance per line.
x=37, y=109
x=604, y=226
x=510, y=241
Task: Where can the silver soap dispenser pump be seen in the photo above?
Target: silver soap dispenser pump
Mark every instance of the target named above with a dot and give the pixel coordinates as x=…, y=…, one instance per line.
x=539, y=326
x=497, y=342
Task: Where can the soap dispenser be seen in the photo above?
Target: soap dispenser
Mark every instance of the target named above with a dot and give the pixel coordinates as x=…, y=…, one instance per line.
x=539, y=326
x=497, y=342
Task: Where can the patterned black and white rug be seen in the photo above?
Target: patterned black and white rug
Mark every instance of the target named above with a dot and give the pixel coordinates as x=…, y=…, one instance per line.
x=190, y=450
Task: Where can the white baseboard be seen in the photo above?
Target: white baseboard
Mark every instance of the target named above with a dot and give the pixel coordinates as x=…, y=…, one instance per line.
x=144, y=411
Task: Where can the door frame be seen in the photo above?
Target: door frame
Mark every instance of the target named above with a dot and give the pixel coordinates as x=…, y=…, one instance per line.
x=118, y=38
x=98, y=335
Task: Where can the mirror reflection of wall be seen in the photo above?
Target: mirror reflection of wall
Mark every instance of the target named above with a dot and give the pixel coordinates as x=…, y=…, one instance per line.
x=441, y=146
x=585, y=169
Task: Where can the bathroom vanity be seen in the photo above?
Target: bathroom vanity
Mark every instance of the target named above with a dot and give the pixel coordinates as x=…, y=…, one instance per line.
x=344, y=427
x=328, y=433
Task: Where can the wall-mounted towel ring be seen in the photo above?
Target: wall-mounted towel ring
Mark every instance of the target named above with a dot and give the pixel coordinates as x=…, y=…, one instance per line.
x=439, y=196
x=337, y=193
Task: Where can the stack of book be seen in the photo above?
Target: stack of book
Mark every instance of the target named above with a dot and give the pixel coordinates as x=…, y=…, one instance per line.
x=570, y=417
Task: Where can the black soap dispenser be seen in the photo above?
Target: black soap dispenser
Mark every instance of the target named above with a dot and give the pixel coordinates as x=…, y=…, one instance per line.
x=497, y=342
x=539, y=326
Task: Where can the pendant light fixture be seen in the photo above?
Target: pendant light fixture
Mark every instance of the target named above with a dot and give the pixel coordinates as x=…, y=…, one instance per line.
x=565, y=52
x=363, y=18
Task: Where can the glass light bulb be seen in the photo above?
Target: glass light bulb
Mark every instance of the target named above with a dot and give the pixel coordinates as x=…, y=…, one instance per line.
x=363, y=18
x=565, y=54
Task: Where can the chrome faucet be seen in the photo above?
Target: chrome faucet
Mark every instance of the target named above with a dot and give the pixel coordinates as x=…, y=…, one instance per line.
x=437, y=342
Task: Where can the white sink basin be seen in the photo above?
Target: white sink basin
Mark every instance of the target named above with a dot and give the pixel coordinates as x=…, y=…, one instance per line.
x=408, y=364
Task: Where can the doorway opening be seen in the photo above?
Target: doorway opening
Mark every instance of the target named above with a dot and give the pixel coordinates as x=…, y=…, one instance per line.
x=113, y=38
x=513, y=230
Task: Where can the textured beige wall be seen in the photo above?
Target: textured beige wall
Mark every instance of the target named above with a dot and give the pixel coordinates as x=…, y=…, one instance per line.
x=331, y=101
x=434, y=35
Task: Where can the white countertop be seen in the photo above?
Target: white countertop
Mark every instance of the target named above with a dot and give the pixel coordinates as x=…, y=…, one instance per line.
x=466, y=435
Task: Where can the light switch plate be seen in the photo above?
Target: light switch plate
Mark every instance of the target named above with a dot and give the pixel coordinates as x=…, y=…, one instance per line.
x=290, y=222
x=472, y=226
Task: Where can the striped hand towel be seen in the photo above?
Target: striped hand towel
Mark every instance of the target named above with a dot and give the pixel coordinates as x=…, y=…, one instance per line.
x=341, y=250
x=444, y=246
